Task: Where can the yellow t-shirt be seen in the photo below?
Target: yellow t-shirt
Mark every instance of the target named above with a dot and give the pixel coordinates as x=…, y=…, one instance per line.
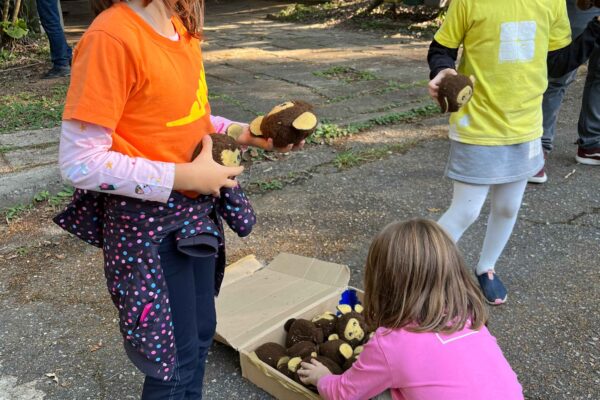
x=505, y=46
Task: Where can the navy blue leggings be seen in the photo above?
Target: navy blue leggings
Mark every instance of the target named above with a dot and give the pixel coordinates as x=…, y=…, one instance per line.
x=190, y=281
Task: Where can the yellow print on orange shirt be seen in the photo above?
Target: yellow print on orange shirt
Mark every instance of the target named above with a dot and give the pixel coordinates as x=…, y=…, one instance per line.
x=198, y=108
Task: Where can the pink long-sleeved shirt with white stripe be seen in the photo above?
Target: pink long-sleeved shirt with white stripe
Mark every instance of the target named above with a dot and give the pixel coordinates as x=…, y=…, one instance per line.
x=466, y=365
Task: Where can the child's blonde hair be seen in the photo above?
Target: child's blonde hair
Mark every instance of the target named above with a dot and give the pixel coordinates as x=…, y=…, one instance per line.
x=415, y=278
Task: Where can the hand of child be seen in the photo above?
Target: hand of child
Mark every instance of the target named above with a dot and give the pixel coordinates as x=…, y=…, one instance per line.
x=204, y=175
x=434, y=84
x=310, y=373
x=247, y=139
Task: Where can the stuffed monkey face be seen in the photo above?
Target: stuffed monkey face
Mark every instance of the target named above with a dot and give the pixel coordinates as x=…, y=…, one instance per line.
x=226, y=150
x=351, y=324
x=353, y=330
x=464, y=95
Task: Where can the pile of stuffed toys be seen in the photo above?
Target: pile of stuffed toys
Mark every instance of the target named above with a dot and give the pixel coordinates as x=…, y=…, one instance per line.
x=336, y=340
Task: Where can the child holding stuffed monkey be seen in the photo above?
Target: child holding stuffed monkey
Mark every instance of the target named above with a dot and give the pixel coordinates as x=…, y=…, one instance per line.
x=136, y=108
x=431, y=341
x=510, y=48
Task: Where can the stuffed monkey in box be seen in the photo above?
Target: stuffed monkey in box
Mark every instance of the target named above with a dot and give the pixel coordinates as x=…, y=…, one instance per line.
x=351, y=325
x=336, y=350
x=272, y=354
x=327, y=322
x=302, y=349
x=299, y=330
x=287, y=123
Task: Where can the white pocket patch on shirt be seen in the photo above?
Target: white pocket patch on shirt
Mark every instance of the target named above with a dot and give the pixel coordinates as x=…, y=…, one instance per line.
x=517, y=41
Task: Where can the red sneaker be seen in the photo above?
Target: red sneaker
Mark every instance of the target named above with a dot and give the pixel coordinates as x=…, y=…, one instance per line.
x=588, y=156
x=540, y=177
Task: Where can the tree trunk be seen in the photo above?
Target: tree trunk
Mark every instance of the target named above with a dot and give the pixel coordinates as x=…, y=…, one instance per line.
x=16, y=11
x=31, y=15
x=5, y=10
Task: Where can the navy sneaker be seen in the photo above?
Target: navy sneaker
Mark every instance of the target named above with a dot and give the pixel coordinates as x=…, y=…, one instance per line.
x=492, y=287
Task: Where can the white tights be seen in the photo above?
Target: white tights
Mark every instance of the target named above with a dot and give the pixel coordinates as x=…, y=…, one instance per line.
x=465, y=208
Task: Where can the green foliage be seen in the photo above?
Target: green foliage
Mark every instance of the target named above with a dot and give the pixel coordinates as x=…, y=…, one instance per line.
x=59, y=198
x=328, y=131
x=16, y=211
x=352, y=158
x=16, y=30
x=44, y=196
x=41, y=196
x=273, y=184
x=28, y=110
x=347, y=159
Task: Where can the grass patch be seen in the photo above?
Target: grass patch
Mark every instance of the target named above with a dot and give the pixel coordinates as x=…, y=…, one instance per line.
x=266, y=186
x=326, y=131
x=43, y=197
x=353, y=158
x=27, y=110
x=5, y=149
x=346, y=74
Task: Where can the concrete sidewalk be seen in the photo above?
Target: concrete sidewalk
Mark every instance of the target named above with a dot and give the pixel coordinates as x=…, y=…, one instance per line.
x=58, y=330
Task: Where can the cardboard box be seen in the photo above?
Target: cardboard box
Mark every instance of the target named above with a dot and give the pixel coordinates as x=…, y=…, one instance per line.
x=256, y=301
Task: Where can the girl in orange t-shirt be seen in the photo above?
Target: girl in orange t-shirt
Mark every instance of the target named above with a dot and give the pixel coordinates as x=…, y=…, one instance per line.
x=136, y=108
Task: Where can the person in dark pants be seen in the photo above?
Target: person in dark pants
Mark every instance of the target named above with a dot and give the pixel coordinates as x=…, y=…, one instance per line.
x=589, y=118
x=190, y=281
x=60, y=52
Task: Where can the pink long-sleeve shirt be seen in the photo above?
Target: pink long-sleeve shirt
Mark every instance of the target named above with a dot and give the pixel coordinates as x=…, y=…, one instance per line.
x=466, y=365
x=86, y=162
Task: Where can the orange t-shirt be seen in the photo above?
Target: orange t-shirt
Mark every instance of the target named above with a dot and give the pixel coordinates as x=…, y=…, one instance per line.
x=149, y=90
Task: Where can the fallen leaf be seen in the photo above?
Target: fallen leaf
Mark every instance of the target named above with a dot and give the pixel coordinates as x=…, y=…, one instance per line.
x=60, y=256
x=53, y=377
x=434, y=210
x=96, y=347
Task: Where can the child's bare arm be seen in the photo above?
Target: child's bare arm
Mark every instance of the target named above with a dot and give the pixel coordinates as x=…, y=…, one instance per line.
x=567, y=59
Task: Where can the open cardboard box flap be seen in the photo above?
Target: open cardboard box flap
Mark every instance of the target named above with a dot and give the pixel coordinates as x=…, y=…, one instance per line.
x=256, y=299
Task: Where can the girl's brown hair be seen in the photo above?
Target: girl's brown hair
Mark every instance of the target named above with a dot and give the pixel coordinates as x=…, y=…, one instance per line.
x=415, y=278
x=191, y=12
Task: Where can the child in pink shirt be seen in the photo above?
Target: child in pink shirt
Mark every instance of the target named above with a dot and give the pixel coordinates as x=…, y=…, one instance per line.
x=431, y=342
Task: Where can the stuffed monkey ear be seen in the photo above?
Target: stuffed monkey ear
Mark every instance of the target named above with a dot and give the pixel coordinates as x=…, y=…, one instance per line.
x=333, y=336
x=344, y=308
x=306, y=121
x=282, y=360
x=447, y=105
x=288, y=324
x=359, y=308
x=255, y=126
x=234, y=131
x=472, y=78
